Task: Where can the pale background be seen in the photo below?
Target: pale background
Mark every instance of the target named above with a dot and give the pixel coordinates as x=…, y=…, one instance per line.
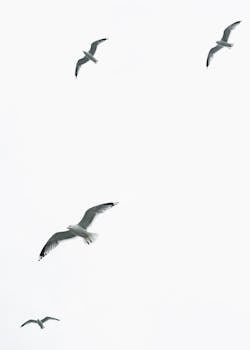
x=149, y=126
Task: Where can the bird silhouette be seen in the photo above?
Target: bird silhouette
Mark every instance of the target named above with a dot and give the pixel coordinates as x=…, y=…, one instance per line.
x=89, y=56
x=77, y=230
x=223, y=42
x=40, y=322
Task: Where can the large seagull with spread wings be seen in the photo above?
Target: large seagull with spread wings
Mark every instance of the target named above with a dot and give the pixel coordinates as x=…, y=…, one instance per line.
x=40, y=322
x=89, y=56
x=223, y=42
x=79, y=230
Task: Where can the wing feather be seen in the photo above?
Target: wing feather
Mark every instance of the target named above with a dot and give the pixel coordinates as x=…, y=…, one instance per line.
x=91, y=213
x=80, y=63
x=45, y=319
x=54, y=241
x=211, y=53
x=94, y=46
x=29, y=321
x=228, y=30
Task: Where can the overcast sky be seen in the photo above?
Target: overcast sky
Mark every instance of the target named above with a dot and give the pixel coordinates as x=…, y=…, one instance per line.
x=149, y=126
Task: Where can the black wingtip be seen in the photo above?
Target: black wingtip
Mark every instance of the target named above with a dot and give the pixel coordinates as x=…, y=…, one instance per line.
x=236, y=23
x=112, y=203
x=207, y=61
x=41, y=255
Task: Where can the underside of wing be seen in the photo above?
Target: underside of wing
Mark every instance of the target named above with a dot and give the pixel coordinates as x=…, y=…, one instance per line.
x=91, y=213
x=211, y=53
x=80, y=63
x=228, y=30
x=29, y=321
x=54, y=241
x=45, y=319
x=94, y=45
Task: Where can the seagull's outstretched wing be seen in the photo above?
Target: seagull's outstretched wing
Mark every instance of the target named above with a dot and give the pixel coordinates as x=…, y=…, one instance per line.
x=91, y=213
x=94, y=46
x=228, y=30
x=54, y=241
x=212, y=52
x=80, y=63
x=45, y=319
x=29, y=321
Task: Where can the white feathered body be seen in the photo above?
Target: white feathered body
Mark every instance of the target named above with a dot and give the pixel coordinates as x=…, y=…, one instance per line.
x=223, y=43
x=79, y=231
x=91, y=57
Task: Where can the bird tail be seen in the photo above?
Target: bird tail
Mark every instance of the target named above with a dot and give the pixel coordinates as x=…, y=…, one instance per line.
x=90, y=237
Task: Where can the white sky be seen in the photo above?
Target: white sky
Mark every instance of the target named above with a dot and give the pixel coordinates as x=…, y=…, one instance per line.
x=148, y=126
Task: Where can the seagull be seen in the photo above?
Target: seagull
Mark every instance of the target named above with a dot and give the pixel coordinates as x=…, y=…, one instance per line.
x=223, y=42
x=89, y=56
x=77, y=230
x=40, y=322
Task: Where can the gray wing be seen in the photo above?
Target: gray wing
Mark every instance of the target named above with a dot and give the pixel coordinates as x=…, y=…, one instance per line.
x=30, y=321
x=45, y=319
x=80, y=63
x=94, y=46
x=228, y=30
x=211, y=53
x=91, y=213
x=54, y=241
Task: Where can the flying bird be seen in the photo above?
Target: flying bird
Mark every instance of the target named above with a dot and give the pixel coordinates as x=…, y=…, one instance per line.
x=223, y=42
x=89, y=56
x=40, y=322
x=77, y=230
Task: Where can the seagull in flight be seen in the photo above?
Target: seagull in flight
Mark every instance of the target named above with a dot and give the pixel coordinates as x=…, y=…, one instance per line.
x=40, y=322
x=223, y=42
x=79, y=229
x=89, y=56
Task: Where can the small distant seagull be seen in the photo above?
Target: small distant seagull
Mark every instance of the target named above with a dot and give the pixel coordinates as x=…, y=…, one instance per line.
x=89, y=56
x=77, y=230
x=40, y=322
x=223, y=42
